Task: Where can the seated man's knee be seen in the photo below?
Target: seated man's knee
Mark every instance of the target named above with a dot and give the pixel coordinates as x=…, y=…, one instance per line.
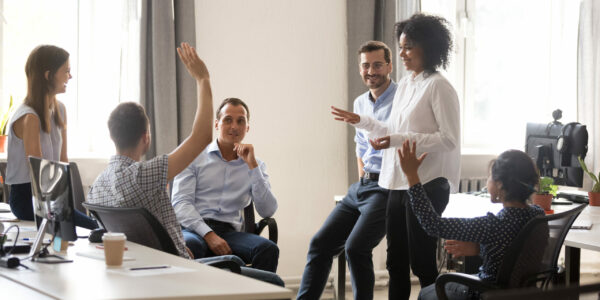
x=270, y=249
x=197, y=245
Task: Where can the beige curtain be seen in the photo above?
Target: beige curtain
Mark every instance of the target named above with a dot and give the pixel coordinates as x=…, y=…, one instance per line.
x=588, y=81
x=168, y=93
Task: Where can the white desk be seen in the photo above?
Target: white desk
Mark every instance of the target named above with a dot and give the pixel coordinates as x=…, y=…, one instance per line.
x=578, y=239
x=88, y=278
x=469, y=206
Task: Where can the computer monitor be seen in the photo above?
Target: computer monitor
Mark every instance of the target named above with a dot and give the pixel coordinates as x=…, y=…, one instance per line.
x=554, y=148
x=52, y=200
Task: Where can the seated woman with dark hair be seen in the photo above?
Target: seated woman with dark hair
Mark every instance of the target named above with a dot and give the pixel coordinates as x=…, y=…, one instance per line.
x=512, y=180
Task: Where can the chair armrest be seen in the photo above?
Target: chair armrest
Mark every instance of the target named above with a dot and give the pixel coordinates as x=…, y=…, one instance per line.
x=272, y=224
x=472, y=281
x=226, y=264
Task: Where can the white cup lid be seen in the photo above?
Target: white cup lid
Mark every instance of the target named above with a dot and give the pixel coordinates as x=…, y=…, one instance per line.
x=114, y=236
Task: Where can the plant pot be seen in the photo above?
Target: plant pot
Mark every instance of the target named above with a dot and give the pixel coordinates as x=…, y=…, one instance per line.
x=594, y=198
x=542, y=200
x=3, y=143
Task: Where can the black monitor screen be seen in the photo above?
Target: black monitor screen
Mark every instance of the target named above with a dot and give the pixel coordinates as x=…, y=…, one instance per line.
x=554, y=148
x=52, y=197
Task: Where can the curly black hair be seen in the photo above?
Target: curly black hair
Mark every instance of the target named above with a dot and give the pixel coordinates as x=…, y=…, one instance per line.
x=432, y=34
x=517, y=173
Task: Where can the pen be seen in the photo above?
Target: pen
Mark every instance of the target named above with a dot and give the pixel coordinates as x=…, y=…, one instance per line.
x=148, y=268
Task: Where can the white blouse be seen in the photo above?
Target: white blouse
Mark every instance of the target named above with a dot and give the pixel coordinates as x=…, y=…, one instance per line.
x=425, y=110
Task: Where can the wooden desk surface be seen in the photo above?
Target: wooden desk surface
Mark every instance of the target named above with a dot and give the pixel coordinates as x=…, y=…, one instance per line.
x=89, y=278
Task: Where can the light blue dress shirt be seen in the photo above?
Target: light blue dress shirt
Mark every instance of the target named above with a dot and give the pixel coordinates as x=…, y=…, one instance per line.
x=213, y=188
x=380, y=110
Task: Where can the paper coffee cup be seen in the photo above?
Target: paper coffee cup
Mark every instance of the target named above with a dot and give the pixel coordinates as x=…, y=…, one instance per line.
x=114, y=246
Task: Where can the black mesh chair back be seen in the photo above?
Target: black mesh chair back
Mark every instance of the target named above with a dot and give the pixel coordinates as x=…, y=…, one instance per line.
x=76, y=187
x=137, y=223
x=5, y=188
x=532, y=257
x=555, y=293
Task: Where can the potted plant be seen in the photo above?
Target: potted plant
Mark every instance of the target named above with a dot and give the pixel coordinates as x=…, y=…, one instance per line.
x=546, y=191
x=594, y=194
x=3, y=125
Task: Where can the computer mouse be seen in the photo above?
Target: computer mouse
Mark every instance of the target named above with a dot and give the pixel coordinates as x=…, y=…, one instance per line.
x=96, y=235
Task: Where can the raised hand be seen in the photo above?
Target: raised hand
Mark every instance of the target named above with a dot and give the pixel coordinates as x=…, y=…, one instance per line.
x=344, y=115
x=409, y=162
x=380, y=143
x=246, y=152
x=193, y=63
x=461, y=248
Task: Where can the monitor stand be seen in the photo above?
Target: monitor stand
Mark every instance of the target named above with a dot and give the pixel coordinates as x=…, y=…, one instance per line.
x=41, y=255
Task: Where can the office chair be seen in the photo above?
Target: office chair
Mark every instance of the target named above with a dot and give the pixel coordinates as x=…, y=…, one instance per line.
x=556, y=293
x=251, y=226
x=5, y=187
x=530, y=260
x=77, y=187
x=141, y=227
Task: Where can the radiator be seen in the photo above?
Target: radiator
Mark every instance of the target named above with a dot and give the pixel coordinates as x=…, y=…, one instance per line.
x=473, y=184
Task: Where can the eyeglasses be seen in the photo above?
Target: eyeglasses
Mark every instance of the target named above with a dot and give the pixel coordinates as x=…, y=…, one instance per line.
x=377, y=66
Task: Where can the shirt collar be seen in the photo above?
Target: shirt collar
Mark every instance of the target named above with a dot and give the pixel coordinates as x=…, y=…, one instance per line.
x=419, y=77
x=121, y=159
x=390, y=89
x=213, y=147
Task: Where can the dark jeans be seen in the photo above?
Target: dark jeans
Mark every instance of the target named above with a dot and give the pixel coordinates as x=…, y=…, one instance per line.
x=254, y=249
x=357, y=224
x=21, y=206
x=408, y=244
x=454, y=291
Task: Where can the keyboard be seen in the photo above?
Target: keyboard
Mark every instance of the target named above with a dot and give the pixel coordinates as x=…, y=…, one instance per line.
x=574, y=197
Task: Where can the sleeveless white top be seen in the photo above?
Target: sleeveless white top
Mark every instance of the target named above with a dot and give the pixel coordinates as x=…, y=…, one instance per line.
x=17, y=168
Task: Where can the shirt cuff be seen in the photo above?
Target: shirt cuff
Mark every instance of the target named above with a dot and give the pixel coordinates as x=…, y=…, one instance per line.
x=364, y=121
x=396, y=140
x=416, y=189
x=202, y=229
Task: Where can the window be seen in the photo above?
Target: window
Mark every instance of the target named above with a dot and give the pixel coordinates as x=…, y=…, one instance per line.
x=515, y=62
x=102, y=38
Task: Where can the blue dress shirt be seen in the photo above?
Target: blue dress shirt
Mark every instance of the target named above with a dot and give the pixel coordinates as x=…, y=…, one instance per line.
x=380, y=110
x=213, y=188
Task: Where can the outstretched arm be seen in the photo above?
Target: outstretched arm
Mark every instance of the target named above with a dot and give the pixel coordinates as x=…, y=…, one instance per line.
x=201, y=134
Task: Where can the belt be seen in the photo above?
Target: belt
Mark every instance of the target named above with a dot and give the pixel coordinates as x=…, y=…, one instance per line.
x=371, y=176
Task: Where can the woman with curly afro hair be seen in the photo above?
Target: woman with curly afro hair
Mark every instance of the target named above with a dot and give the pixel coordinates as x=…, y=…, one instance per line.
x=425, y=110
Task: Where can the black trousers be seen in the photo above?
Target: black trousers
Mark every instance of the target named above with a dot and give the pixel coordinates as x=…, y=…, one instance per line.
x=409, y=247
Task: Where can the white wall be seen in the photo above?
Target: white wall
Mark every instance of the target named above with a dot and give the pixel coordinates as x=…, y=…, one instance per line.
x=287, y=60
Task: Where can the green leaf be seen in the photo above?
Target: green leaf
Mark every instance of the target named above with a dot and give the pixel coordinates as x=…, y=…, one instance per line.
x=5, y=117
x=547, y=186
